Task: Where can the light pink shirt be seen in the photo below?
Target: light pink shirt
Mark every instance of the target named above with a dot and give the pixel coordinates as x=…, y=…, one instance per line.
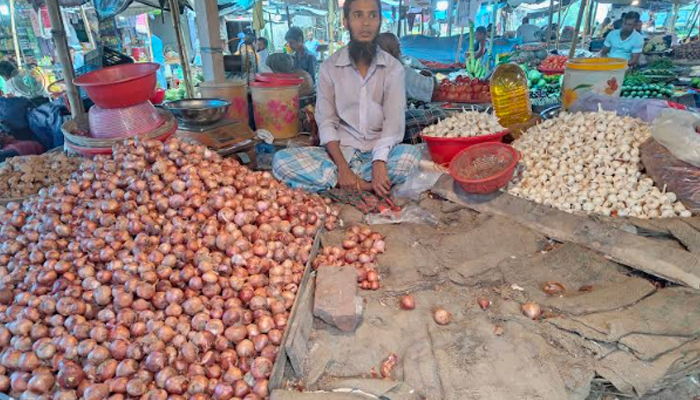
x=366, y=114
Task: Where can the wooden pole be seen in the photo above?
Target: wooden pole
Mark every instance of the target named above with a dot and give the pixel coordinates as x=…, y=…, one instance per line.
x=207, y=21
x=586, y=21
x=398, y=19
x=560, y=28
x=449, y=18
x=494, y=22
x=574, y=40
x=59, y=38
x=88, y=29
x=459, y=45
x=551, y=21
x=289, y=19
x=15, y=39
x=181, y=47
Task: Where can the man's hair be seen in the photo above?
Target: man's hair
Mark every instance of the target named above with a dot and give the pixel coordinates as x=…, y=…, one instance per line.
x=294, y=33
x=526, y=20
x=481, y=29
x=249, y=39
x=348, y=3
x=632, y=15
x=281, y=63
x=7, y=68
x=263, y=41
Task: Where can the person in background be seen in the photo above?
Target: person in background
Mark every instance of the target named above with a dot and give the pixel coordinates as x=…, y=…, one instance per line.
x=10, y=73
x=249, y=56
x=311, y=43
x=527, y=32
x=159, y=58
x=602, y=29
x=241, y=41
x=263, y=52
x=303, y=60
x=618, y=22
x=480, y=44
x=360, y=115
x=282, y=63
x=419, y=86
x=625, y=42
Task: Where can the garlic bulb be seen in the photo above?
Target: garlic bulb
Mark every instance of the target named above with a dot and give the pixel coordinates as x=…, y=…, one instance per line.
x=465, y=124
x=590, y=163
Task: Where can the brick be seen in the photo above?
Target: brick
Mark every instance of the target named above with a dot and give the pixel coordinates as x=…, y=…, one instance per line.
x=336, y=300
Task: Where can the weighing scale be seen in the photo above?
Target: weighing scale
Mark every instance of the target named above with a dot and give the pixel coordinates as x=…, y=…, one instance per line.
x=226, y=137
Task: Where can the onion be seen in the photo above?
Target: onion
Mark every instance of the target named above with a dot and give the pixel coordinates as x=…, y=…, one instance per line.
x=554, y=288
x=483, y=302
x=531, y=310
x=442, y=316
x=261, y=368
x=408, y=302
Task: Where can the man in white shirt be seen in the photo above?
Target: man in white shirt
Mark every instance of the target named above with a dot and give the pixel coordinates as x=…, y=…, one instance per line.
x=625, y=42
x=527, y=32
x=360, y=114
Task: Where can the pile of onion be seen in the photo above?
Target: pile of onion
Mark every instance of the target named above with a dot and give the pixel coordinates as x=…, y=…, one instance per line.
x=360, y=249
x=161, y=272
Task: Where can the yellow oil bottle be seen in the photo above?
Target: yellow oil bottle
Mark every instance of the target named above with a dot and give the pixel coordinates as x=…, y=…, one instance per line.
x=509, y=94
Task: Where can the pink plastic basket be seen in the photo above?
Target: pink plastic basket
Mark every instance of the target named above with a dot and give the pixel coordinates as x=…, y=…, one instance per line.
x=485, y=167
x=107, y=123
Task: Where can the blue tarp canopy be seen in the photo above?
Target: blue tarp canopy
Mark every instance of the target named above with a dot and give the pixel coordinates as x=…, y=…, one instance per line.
x=444, y=49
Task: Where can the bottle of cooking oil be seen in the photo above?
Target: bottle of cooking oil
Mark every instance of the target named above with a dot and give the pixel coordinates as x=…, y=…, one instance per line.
x=509, y=94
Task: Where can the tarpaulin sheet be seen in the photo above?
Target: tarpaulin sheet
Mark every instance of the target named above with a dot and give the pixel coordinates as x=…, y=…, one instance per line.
x=443, y=49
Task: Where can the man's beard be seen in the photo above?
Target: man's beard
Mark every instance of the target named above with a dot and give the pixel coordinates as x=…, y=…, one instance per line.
x=362, y=51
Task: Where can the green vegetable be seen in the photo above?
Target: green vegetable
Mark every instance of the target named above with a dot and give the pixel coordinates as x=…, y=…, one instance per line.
x=534, y=75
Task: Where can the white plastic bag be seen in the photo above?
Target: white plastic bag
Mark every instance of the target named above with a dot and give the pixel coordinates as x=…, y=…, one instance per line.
x=675, y=130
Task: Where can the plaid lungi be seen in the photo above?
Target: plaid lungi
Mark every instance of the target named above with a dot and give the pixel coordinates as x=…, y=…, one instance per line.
x=312, y=169
x=419, y=119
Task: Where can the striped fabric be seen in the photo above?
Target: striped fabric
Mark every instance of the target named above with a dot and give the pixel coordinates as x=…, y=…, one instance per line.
x=312, y=169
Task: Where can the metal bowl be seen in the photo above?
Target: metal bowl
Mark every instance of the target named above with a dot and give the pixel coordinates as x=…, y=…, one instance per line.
x=198, y=111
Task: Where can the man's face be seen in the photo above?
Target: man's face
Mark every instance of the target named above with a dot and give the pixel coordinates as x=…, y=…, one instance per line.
x=295, y=44
x=363, y=21
x=628, y=25
x=480, y=36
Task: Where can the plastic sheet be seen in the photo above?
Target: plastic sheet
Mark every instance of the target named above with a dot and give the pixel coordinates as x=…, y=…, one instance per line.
x=423, y=179
x=673, y=174
x=675, y=130
x=645, y=109
x=412, y=214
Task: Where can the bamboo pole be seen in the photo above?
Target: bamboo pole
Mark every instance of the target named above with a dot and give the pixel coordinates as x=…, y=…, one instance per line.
x=551, y=21
x=459, y=45
x=88, y=29
x=15, y=39
x=181, y=48
x=574, y=40
x=560, y=28
x=59, y=38
x=587, y=16
x=494, y=17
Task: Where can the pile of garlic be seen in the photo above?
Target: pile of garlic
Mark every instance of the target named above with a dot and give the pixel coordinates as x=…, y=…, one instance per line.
x=590, y=163
x=465, y=124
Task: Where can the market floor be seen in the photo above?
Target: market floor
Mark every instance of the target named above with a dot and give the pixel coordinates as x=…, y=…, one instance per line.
x=595, y=340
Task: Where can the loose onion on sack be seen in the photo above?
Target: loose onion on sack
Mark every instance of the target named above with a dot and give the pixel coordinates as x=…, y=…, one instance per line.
x=590, y=163
x=465, y=124
x=162, y=271
x=359, y=249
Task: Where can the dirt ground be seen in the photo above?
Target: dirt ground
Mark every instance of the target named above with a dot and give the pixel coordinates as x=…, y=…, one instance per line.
x=594, y=343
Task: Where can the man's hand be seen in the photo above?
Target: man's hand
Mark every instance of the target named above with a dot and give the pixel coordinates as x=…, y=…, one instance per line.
x=380, y=179
x=347, y=179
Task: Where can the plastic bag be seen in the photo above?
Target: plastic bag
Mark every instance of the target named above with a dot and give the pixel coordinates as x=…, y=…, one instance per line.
x=675, y=130
x=645, y=109
x=423, y=179
x=412, y=214
x=672, y=174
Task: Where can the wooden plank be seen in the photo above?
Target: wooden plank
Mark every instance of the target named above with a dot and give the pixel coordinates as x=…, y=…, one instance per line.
x=637, y=252
x=299, y=331
x=280, y=366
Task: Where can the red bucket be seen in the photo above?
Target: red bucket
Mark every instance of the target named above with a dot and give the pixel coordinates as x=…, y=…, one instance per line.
x=484, y=168
x=443, y=150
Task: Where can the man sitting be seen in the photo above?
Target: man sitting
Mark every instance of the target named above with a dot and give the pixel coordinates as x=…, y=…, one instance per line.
x=360, y=115
x=419, y=86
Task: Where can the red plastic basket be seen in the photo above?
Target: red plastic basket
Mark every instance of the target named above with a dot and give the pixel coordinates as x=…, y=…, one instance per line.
x=443, y=150
x=120, y=86
x=484, y=168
